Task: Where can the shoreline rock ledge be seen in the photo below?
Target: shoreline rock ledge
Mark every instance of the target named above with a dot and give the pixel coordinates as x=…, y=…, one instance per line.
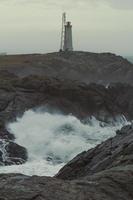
x=102, y=173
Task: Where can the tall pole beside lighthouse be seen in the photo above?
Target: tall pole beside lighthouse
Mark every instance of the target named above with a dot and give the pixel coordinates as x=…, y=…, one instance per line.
x=63, y=31
x=66, y=35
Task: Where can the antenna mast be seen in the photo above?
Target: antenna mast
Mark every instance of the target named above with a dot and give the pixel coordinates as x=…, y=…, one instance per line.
x=63, y=31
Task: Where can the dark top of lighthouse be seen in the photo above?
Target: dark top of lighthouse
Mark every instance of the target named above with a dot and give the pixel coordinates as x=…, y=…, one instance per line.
x=68, y=24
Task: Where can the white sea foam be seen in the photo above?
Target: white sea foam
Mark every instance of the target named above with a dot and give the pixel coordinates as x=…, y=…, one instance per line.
x=54, y=139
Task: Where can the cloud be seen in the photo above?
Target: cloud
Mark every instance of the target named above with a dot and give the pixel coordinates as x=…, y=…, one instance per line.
x=119, y=4
x=116, y=4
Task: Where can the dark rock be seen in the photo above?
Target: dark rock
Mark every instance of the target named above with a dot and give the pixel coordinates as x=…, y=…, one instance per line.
x=4, y=134
x=125, y=130
x=16, y=153
x=111, y=184
x=117, y=151
x=5, y=74
x=1, y=160
x=62, y=81
x=66, y=96
x=87, y=67
x=11, y=153
x=20, y=94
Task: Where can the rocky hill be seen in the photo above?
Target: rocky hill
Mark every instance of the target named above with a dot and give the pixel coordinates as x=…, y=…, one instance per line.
x=86, y=67
x=63, y=81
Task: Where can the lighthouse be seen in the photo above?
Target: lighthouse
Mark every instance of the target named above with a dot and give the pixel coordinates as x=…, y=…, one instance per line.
x=66, y=35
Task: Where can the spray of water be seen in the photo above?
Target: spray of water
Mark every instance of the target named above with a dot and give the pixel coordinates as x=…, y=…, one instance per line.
x=54, y=139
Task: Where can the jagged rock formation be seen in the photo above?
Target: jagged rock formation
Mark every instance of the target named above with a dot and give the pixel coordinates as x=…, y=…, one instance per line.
x=101, y=68
x=10, y=152
x=115, y=152
x=20, y=94
x=82, y=100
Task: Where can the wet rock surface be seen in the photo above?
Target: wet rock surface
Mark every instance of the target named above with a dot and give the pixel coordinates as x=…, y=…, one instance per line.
x=81, y=100
x=105, y=172
x=110, y=184
x=20, y=94
x=12, y=153
x=114, y=152
x=48, y=81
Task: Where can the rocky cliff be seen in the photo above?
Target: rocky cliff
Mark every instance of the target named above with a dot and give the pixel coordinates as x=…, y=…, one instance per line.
x=63, y=81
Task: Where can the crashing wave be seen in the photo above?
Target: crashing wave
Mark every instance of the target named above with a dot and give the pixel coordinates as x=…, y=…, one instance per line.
x=54, y=139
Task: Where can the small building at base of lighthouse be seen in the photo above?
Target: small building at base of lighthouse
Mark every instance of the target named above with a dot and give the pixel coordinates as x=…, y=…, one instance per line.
x=68, y=44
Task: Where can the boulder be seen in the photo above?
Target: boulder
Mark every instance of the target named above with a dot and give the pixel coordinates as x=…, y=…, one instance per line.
x=12, y=153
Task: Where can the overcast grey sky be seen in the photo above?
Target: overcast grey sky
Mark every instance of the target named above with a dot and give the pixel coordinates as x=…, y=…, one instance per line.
x=29, y=26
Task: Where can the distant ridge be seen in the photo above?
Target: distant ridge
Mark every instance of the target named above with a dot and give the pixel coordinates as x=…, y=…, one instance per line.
x=130, y=58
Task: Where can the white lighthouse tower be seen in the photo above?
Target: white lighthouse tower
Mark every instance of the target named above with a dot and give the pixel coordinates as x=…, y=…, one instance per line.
x=66, y=35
